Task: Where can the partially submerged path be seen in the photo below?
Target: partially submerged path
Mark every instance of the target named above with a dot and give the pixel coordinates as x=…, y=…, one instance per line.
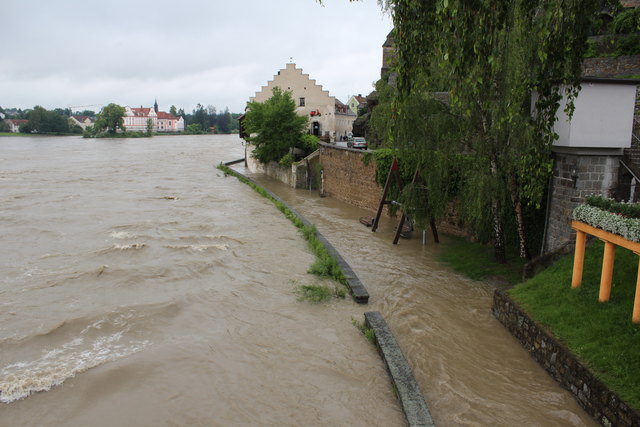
x=470, y=369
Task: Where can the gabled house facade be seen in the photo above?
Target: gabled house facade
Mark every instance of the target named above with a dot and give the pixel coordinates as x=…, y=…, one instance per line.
x=82, y=121
x=356, y=102
x=14, y=125
x=328, y=117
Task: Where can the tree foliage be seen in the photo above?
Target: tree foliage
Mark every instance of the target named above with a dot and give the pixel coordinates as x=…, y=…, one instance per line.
x=110, y=118
x=275, y=125
x=44, y=121
x=490, y=56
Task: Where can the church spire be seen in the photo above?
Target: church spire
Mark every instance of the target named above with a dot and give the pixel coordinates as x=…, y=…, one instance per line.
x=155, y=106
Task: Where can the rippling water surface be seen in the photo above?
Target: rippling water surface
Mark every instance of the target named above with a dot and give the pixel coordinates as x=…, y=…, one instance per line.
x=470, y=369
x=141, y=287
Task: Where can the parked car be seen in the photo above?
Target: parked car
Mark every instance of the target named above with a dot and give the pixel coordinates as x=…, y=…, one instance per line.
x=358, y=142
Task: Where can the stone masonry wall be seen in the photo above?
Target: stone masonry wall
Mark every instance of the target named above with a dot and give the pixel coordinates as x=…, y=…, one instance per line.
x=596, y=175
x=347, y=178
x=611, y=66
x=596, y=399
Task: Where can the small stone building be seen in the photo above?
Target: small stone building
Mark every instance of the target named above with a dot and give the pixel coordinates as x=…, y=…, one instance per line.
x=590, y=151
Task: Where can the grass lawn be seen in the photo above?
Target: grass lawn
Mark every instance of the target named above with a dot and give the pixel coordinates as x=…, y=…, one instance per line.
x=477, y=262
x=13, y=134
x=600, y=334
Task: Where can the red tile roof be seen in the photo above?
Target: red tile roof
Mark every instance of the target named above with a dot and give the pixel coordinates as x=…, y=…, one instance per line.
x=141, y=112
x=163, y=115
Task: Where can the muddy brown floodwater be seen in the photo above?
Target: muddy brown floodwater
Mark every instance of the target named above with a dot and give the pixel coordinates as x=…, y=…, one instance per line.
x=471, y=370
x=140, y=287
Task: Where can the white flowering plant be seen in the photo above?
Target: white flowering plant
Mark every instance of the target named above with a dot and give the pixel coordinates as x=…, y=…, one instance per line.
x=613, y=222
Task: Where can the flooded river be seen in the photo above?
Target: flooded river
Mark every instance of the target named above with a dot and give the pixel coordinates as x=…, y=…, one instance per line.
x=140, y=287
x=471, y=370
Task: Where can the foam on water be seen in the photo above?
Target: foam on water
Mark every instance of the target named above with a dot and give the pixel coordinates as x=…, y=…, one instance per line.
x=130, y=246
x=199, y=248
x=122, y=235
x=21, y=379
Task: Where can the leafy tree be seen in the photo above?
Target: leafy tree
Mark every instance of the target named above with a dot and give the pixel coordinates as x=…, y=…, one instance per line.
x=149, y=127
x=181, y=112
x=275, y=125
x=223, y=122
x=44, y=121
x=201, y=117
x=491, y=56
x=194, y=128
x=173, y=110
x=110, y=118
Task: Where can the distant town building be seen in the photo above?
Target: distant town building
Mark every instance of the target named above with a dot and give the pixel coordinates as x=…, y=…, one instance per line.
x=82, y=121
x=14, y=125
x=356, y=102
x=328, y=117
x=136, y=119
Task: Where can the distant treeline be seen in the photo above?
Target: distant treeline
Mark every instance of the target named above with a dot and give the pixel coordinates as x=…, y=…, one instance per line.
x=200, y=120
x=206, y=120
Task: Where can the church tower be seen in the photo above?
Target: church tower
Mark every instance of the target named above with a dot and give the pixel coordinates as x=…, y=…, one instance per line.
x=155, y=106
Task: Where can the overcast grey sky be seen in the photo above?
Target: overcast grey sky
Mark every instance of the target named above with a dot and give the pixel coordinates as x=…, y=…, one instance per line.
x=72, y=53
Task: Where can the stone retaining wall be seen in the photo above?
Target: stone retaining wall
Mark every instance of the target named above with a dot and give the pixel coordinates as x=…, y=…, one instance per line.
x=596, y=399
x=611, y=66
x=347, y=178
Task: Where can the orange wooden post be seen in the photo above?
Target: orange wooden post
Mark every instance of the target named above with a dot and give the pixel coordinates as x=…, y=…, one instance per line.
x=636, y=302
x=578, y=258
x=607, y=271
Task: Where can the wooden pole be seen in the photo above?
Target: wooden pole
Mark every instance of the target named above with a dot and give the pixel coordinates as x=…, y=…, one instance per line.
x=636, y=302
x=383, y=199
x=399, y=229
x=578, y=259
x=607, y=271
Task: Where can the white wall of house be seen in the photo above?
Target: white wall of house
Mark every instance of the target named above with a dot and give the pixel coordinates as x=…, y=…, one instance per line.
x=309, y=97
x=603, y=117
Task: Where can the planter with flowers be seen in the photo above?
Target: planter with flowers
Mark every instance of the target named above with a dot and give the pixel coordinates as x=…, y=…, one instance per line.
x=616, y=224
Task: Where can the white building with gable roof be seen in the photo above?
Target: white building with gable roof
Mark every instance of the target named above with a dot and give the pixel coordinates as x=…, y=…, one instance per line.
x=328, y=117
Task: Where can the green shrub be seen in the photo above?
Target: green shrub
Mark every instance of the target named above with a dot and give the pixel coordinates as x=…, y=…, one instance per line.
x=309, y=143
x=628, y=45
x=630, y=210
x=626, y=22
x=286, y=160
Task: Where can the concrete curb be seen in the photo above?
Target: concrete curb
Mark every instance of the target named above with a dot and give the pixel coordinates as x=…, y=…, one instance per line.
x=358, y=291
x=413, y=404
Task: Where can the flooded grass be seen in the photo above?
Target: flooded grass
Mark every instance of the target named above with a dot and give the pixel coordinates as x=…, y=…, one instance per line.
x=319, y=293
x=476, y=261
x=600, y=334
x=366, y=331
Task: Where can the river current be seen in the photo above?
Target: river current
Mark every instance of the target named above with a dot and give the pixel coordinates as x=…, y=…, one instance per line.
x=141, y=287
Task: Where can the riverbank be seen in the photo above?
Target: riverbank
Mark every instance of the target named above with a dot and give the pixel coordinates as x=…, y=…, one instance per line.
x=468, y=366
x=600, y=347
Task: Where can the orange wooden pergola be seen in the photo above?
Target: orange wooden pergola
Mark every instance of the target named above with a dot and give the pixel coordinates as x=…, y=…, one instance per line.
x=610, y=242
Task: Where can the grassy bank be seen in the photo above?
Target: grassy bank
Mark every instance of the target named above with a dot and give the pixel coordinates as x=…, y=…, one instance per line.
x=477, y=262
x=325, y=265
x=19, y=134
x=600, y=334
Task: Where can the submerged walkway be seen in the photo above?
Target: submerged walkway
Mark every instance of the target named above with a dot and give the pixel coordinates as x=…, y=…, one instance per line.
x=470, y=369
